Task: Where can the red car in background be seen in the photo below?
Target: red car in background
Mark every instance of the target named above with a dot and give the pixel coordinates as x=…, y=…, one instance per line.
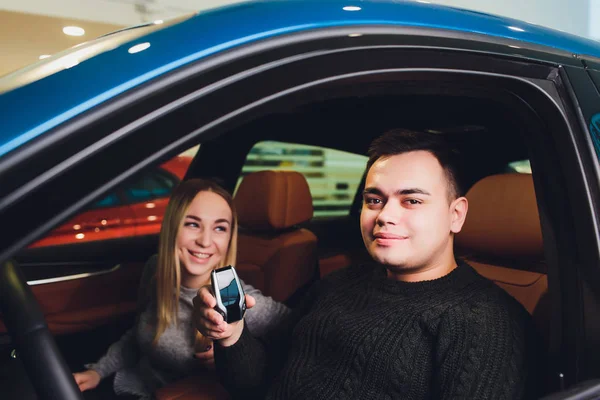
x=136, y=209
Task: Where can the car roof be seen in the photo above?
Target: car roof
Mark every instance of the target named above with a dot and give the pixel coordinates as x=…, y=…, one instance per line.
x=34, y=107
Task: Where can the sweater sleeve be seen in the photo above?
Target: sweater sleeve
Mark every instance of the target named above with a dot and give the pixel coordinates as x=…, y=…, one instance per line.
x=266, y=313
x=120, y=354
x=485, y=350
x=125, y=352
x=247, y=368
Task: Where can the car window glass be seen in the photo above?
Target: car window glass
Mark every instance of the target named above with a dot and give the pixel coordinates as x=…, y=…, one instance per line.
x=150, y=186
x=111, y=200
x=522, y=167
x=136, y=208
x=333, y=176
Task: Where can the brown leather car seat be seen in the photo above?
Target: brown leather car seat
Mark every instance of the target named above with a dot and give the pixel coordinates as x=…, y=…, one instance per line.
x=274, y=254
x=502, y=240
x=205, y=386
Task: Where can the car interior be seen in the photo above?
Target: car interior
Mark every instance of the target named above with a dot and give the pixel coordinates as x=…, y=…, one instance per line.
x=283, y=247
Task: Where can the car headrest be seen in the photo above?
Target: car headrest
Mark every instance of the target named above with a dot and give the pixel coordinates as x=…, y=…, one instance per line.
x=503, y=218
x=273, y=200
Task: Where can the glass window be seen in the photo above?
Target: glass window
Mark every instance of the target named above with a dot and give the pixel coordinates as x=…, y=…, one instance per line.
x=149, y=187
x=522, y=167
x=333, y=176
x=136, y=208
x=111, y=200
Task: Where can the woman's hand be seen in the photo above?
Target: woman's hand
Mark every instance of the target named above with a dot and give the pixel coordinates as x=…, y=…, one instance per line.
x=211, y=324
x=87, y=380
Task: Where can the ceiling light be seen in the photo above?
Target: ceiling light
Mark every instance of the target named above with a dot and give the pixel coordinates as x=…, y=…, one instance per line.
x=138, y=47
x=516, y=29
x=351, y=8
x=158, y=22
x=44, y=56
x=73, y=31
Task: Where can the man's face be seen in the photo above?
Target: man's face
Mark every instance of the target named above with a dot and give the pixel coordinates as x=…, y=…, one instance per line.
x=407, y=218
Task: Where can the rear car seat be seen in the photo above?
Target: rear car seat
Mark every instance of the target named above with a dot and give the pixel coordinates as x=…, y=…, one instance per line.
x=274, y=254
x=502, y=240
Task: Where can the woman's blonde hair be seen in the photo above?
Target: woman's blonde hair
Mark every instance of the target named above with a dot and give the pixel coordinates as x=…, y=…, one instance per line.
x=168, y=271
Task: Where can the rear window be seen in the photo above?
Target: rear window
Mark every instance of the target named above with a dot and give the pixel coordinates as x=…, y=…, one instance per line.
x=522, y=167
x=333, y=176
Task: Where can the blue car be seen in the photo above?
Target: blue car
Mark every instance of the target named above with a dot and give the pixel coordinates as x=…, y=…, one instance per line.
x=316, y=81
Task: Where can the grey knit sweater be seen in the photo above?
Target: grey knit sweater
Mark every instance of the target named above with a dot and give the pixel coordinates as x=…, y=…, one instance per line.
x=142, y=368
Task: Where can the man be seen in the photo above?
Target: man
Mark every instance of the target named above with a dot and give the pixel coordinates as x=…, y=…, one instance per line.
x=416, y=324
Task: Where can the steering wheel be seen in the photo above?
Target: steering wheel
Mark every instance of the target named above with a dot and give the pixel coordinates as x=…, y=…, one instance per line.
x=35, y=345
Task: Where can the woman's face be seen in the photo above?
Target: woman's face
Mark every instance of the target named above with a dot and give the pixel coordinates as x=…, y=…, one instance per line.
x=203, y=238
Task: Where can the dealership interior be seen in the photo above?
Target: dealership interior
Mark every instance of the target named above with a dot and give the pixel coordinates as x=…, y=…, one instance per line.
x=35, y=29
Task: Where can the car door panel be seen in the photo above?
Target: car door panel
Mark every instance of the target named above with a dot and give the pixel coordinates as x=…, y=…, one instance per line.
x=86, y=302
x=85, y=285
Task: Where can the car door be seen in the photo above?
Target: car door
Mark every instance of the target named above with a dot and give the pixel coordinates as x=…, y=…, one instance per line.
x=583, y=89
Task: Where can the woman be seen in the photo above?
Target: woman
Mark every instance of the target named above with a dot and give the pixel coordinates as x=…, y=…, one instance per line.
x=198, y=234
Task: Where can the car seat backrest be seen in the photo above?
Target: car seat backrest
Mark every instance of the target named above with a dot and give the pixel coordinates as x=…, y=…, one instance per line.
x=502, y=240
x=274, y=254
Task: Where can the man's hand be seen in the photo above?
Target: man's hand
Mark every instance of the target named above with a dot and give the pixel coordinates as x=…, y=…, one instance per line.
x=206, y=358
x=211, y=324
x=87, y=380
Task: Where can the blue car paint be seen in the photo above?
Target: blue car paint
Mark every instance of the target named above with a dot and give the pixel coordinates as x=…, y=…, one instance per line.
x=39, y=106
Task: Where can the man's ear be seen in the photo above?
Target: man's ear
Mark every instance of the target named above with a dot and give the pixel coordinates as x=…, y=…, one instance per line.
x=458, y=208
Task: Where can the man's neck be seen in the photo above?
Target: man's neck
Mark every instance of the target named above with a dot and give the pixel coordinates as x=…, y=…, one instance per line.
x=428, y=273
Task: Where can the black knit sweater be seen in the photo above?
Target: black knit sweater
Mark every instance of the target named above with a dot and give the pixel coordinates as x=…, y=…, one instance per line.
x=360, y=335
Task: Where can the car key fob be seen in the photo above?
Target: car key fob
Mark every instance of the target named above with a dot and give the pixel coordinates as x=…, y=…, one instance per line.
x=231, y=300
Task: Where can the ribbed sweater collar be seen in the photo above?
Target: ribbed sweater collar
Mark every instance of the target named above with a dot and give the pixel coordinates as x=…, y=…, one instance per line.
x=460, y=276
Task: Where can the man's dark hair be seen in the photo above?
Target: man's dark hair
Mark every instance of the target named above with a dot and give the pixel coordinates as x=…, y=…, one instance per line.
x=400, y=141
